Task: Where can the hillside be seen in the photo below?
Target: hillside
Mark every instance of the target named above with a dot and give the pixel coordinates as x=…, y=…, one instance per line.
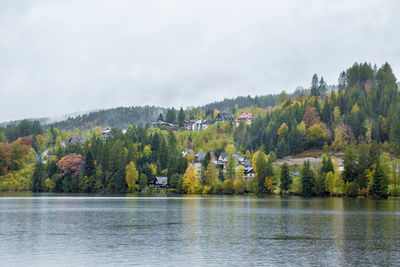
x=360, y=120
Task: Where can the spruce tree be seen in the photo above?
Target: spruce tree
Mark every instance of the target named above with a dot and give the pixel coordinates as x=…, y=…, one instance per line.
x=307, y=180
x=379, y=188
x=286, y=179
x=37, y=178
x=181, y=118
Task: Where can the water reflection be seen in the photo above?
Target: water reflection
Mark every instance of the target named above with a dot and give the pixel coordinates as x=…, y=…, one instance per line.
x=196, y=231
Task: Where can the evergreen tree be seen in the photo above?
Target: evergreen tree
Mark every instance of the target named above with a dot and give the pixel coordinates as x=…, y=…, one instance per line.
x=282, y=149
x=327, y=165
x=314, y=86
x=380, y=182
x=286, y=179
x=142, y=181
x=181, y=118
x=171, y=115
x=38, y=177
x=307, y=180
x=89, y=169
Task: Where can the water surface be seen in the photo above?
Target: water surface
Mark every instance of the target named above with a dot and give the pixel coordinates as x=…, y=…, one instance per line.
x=48, y=230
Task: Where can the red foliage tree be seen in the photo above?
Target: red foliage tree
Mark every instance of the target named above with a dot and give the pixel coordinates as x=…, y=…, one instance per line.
x=70, y=165
x=311, y=117
x=25, y=141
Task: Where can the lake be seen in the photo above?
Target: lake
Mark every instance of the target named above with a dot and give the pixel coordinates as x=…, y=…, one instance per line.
x=66, y=230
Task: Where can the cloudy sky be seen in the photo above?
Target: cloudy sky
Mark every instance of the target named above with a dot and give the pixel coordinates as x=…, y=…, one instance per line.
x=60, y=57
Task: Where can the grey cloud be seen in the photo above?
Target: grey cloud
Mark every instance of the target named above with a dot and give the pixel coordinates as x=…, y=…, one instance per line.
x=59, y=57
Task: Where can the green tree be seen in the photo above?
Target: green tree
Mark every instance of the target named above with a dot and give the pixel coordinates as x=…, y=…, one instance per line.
x=89, y=169
x=142, y=181
x=286, y=179
x=38, y=176
x=380, y=182
x=227, y=187
x=314, y=86
x=181, y=118
x=231, y=167
x=307, y=180
x=210, y=175
x=263, y=170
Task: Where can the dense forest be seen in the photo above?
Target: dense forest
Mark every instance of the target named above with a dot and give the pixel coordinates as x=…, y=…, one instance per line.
x=358, y=123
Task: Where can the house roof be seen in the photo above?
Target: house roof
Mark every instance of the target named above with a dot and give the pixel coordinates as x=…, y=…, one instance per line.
x=223, y=156
x=245, y=117
x=224, y=116
x=161, y=180
x=200, y=156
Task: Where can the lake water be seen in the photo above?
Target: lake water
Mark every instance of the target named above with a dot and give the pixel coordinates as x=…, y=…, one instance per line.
x=46, y=230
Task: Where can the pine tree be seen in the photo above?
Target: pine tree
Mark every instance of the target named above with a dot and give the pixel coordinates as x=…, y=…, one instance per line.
x=89, y=169
x=380, y=182
x=286, y=179
x=314, y=86
x=307, y=180
x=38, y=177
x=181, y=118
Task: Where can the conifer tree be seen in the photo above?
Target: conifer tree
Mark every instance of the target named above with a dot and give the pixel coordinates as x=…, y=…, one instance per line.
x=286, y=179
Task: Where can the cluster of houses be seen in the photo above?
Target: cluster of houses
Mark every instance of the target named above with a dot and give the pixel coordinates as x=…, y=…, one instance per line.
x=198, y=125
x=78, y=140
x=221, y=162
x=161, y=182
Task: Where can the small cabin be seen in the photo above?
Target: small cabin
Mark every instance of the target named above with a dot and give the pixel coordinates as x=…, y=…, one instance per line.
x=160, y=182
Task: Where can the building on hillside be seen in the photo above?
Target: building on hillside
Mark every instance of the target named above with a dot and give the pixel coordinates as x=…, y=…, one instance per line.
x=161, y=182
x=201, y=125
x=249, y=173
x=246, y=117
x=224, y=117
x=201, y=155
x=74, y=140
x=106, y=133
x=187, y=151
x=188, y=124
x=163, y=124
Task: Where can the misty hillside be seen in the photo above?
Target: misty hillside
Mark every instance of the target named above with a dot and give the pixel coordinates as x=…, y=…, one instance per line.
x=122, y=117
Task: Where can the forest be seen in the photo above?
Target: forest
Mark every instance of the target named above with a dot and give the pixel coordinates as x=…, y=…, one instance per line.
x=356, y=121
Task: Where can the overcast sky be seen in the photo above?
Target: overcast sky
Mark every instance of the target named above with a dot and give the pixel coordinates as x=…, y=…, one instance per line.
x=59, y=57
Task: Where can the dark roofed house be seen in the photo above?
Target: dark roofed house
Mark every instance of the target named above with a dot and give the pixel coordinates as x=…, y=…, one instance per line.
x=223, y=158
x=223, y=116
x=74, y=140
x=200, y=156
x=106, y=133
x=161, y=182
x=249, y=173
x=160, y=124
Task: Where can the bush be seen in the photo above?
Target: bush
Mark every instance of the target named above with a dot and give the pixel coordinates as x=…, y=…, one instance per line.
x=351, y=189
x=239, y=186
x=227, y=187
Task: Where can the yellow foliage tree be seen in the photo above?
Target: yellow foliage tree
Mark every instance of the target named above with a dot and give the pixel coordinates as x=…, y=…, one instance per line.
x=191, y=183
x=254, y=159
x=132, y=175
x=211, y=174
x=269, y=184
